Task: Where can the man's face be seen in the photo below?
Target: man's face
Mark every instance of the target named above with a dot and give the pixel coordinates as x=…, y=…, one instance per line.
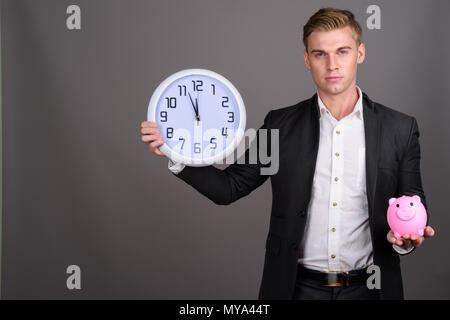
x=332, y=58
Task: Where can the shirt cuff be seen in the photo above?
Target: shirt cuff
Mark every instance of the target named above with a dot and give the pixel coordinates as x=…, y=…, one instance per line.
x=175, y=167
x=401, y=250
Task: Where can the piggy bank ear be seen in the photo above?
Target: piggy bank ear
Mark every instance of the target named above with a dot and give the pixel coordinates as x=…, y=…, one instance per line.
x=417, y=198
x=391, y=200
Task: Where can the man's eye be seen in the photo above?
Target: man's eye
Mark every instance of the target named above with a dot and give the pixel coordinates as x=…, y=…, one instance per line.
x=343, y=51
x=319, y=54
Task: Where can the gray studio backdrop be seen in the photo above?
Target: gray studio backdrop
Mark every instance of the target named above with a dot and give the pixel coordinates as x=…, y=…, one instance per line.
x=80, y=188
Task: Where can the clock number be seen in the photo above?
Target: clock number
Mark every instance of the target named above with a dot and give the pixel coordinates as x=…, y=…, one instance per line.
x=214, y=89
x=213, y=142
x=197, y=148
x=231, y=116
x=163, y=115
x=169, y=132
x=225, y=132
x=197, y=84
x=171, y=102
x=181, y=138
x=225, y=100
x=182, y=90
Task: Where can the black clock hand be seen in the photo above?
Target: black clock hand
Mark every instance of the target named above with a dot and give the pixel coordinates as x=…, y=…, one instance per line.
x=196, y=102
x=194, y=106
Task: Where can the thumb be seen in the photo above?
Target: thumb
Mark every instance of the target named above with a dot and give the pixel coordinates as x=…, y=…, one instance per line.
x=429, y=232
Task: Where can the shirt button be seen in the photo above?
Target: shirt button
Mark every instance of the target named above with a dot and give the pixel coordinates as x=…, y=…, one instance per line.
x=334, y=204
x=333, y=229
x=333, y=256
x=337, y=154
x=336, y=179
x=338, y=132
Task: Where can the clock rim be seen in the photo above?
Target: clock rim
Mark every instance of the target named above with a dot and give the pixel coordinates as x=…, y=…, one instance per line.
x=172, y=155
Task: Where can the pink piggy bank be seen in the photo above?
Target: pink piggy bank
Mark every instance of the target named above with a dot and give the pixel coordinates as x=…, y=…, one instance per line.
x=406, y=215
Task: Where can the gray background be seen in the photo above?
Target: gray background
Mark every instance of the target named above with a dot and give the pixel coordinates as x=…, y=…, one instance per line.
x=80, y=188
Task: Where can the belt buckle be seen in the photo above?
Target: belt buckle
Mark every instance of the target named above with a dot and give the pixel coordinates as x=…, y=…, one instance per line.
x=346, y=278
x=336, y=279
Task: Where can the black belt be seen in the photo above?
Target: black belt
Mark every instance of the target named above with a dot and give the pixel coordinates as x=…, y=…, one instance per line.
x=334, y=278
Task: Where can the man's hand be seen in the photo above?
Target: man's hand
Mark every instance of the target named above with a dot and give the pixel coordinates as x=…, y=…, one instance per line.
x=408, y=241
x=152, y=137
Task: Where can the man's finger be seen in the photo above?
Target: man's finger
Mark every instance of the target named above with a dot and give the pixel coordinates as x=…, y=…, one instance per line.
x=150, y=138
x=149, y=124
x=418, y=242
x=407, y=244
x=392, y=239
x=150, y=130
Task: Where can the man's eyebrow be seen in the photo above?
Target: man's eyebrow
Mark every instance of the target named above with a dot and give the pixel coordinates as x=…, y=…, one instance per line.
x=339, y=49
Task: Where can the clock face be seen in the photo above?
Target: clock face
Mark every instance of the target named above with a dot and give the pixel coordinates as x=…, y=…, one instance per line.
x=200, y=115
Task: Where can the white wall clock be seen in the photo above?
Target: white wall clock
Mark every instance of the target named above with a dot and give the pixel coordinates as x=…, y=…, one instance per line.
x=200, y=115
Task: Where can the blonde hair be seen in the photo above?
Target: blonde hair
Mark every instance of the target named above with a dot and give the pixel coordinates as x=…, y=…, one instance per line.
x=331, y=18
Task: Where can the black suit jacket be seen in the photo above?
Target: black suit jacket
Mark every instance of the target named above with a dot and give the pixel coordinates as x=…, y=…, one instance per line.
x=392, y=170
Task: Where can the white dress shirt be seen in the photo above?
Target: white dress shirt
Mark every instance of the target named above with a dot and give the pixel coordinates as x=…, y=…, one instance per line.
x=337, y=234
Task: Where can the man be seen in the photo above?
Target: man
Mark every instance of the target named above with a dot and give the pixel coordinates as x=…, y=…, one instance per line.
x=342, y=157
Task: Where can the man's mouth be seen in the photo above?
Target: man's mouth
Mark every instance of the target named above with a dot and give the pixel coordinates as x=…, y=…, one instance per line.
x=333, y=79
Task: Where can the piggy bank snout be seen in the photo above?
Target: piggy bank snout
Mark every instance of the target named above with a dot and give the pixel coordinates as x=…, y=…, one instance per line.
x=406, y=213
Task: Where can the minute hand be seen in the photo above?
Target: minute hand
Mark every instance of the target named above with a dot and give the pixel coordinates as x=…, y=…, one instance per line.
x=196, y=102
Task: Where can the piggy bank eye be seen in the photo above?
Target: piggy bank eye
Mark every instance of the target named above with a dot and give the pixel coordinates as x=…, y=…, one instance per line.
x=411, y=204
x=397, y=205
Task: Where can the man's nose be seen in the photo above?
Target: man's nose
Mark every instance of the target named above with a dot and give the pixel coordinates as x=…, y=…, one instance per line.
x=332, y=62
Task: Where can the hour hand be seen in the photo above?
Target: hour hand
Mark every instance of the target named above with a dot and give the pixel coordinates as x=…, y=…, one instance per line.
x=195, y=106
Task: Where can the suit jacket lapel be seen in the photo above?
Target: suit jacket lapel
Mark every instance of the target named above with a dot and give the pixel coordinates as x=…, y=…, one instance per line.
x=312, y=142
x=372, y=131
x=304, y=134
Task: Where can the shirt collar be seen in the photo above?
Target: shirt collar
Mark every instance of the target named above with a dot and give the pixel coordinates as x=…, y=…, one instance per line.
x=357, y=110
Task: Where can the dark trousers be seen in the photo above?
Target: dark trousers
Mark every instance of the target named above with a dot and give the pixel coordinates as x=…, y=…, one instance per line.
x=307, y=289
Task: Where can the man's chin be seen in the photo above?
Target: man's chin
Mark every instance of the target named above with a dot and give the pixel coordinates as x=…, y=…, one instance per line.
x=333, y=89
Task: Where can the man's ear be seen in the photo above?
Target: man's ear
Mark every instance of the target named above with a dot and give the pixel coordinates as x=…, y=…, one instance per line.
x=361, y=53
x=306, y=60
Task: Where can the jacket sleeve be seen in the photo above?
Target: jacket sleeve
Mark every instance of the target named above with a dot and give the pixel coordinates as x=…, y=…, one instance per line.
x=236, y=181
x=410, y=181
